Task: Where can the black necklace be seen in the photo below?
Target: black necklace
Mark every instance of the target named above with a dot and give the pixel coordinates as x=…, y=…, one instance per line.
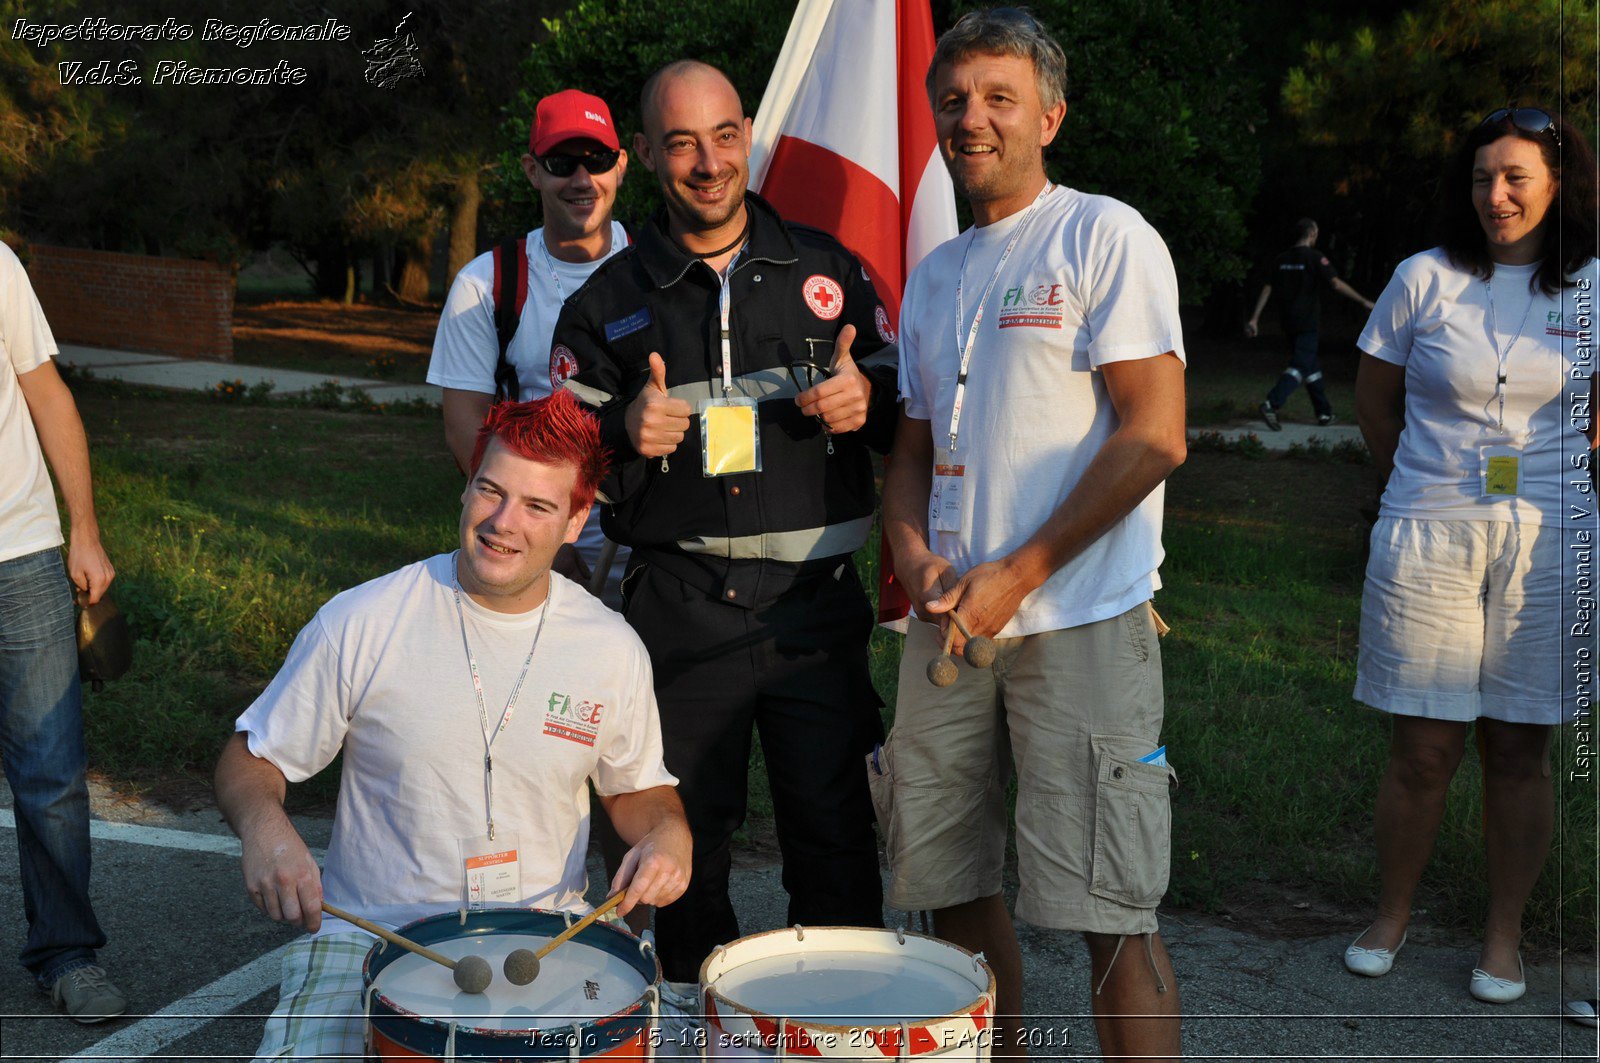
x=737, y=240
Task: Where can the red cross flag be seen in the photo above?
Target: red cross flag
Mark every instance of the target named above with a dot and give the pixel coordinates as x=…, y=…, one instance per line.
x=844, y=141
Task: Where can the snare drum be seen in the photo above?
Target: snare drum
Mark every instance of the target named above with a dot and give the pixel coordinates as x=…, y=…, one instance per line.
x=847, y=992
x=597, y=996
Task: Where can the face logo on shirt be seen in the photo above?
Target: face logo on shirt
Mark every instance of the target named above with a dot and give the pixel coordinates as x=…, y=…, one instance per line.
x=880, y=317
x=1032, y=306
x=824, y=296
x=573, y=719
x=563, y=366
x=1573, y=327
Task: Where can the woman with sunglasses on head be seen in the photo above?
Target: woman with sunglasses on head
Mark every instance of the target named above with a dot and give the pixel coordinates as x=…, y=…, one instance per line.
x=1463, y=398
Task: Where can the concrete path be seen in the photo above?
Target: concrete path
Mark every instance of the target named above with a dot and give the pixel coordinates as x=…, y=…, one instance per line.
x=1292, y=434
x=194, y=374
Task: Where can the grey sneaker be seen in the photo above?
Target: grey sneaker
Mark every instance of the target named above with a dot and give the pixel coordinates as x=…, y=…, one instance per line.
x=1269, y=415
x=86, y=996
x=1324, y=419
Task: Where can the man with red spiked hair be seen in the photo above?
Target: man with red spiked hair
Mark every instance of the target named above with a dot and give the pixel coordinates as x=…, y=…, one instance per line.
x=449, y=796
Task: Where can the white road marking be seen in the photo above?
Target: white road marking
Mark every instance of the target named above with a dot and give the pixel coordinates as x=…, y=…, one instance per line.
x=150, y=1035
x=164, y=837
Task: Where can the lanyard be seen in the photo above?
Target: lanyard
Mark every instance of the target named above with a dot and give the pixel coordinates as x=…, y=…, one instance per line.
x=724, y=312
x=964, y=347
x=1503, y=355
x=511, y=702
x=550, y=267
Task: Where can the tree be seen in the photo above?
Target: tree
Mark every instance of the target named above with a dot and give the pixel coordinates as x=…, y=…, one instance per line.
x=1160, y=115
x=1386, y=106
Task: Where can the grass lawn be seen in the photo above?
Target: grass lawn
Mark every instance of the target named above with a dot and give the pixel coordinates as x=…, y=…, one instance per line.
x=230, y=524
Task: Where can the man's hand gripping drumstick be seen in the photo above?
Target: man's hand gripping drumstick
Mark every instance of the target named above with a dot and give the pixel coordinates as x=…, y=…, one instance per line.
x=279, y=874
x=656, y=869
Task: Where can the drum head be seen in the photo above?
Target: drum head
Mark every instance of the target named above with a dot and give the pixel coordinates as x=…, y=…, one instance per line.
x=594, y=982
x=846, y=978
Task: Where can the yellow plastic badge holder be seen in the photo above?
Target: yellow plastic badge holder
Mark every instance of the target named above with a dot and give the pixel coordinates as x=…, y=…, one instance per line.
x=730, y=436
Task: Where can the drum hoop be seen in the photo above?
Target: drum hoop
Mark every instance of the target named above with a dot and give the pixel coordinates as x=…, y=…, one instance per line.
x=446, y=926
x=984, y=1003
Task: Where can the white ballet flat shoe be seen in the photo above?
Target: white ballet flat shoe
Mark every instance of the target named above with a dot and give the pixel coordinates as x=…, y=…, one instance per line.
x=1373, y=963
x=1491, y=990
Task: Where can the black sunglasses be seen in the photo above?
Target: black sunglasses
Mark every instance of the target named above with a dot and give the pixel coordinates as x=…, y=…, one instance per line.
x=596, y=162
x=1528, y=119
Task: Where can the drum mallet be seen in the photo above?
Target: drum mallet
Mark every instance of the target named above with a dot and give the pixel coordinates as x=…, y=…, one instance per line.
x=942, y=669
x=979, y=652
x=522, y=966
x=472, y=973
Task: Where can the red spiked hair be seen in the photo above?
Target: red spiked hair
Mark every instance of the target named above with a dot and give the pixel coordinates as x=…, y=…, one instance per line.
x=554, y=431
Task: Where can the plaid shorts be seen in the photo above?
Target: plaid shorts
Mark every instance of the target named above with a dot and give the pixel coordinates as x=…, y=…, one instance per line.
x=319, y=1013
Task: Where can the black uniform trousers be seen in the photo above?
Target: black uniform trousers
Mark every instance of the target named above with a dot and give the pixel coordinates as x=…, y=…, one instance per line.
x=796, y=668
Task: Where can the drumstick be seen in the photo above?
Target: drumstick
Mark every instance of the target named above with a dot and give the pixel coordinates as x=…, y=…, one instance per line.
x=522, y=966
x=980, y=651
x=469, y=971
x=942, y=669
x=570, y=932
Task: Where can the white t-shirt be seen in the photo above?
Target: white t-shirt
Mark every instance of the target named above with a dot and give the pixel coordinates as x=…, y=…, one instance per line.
x=28, y=518
x=1433, y=319
x=381, y=674
x=1088, y=282
x=466, y=346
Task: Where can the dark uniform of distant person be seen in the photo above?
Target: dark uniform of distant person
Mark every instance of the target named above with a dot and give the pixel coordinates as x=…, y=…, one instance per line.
x=709, y=328
x=1300, y=274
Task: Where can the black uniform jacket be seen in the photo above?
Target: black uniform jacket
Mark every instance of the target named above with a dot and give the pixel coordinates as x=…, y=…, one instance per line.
x=745, y=537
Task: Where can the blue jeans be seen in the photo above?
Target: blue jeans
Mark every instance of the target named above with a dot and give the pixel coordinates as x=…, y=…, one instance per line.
x=41, y=746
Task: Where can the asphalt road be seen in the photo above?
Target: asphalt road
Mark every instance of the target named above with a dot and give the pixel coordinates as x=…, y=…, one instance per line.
x=199, y=965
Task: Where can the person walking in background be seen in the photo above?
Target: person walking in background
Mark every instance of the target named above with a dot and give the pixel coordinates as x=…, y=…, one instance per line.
x=1300, y=274
x=1460, y=398
x=41, y=698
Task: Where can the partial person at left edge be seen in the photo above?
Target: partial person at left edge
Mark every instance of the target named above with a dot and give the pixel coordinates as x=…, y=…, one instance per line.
x=493, y=340
x=41, y=698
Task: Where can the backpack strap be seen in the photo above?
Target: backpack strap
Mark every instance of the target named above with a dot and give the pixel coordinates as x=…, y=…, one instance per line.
x=510, y=295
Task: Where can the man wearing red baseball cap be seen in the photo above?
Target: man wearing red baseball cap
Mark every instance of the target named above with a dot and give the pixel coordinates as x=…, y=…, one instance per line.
x=493, y=340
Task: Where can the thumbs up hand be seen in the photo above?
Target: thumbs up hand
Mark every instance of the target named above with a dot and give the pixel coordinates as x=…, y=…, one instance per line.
x=841, y=400
x=657, y=422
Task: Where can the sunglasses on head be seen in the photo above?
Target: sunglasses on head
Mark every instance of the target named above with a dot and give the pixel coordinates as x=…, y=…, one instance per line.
x=596, y=162
x=1528, y=119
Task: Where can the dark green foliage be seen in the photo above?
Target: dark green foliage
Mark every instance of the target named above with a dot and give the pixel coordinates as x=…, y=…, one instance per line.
x=1383, y=105
x=610, y=48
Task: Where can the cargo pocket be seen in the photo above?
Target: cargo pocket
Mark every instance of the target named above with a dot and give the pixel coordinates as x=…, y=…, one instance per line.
x=880, y=781
x=1132, y=855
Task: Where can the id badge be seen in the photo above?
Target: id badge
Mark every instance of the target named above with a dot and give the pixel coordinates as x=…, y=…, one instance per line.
x=1500, y=469
x=491, y=872
x=945, y=500
x=730, y=436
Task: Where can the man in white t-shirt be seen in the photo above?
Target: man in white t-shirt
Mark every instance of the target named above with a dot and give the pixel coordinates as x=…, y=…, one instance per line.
x=41, y=699
x=1042, y=378
x=474, y=696
x=576, y=164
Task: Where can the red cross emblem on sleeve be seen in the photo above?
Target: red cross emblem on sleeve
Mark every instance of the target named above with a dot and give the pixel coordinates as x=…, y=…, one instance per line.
x=824, y=296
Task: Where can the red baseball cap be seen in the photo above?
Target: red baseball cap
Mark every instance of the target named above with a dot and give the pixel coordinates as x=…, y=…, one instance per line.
x=571, y=115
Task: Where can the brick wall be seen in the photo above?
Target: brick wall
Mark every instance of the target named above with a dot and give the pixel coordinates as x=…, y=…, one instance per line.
x=135, y=302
